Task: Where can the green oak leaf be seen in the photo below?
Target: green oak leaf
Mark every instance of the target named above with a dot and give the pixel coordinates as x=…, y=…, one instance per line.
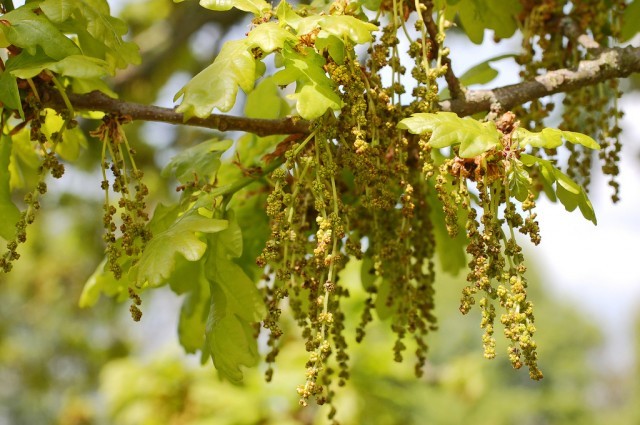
x=24, y=162
x=519, y=182
x=217, y=85
x=630, y=21
x=551, y=138
x=476, y=16
x=287, y=16
x=265, y=101
x=269, y=37
x=341, y=26
x=8, y=211
x=58, y=11
x=99, y=34
x=568, y=192
x=257, y=7
x=314, y=90
x=447, y=129
x=77, y=66
x=159, y=257
x=9, y=94
x=102, y=281
x=548, y=138
x=236, y=304
x=28, y=30
x=580, y=139
x=195, y=307
x=202, y=160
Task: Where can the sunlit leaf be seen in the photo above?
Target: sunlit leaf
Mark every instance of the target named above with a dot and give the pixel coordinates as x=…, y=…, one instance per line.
x=217, y=85
x=447, y=129
x=269, y=37
x=29, y=30
x=8, y=211
x=257, y=7
x=314, y=90
x=568, y=192
x=519, y=183
x=580, y=139
x=158, y=259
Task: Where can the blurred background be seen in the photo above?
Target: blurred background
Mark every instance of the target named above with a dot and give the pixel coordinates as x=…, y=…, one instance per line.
x=60, y=364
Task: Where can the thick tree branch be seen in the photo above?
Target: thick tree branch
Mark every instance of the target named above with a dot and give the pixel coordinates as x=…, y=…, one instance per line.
x=611, y=63
x=97, y=101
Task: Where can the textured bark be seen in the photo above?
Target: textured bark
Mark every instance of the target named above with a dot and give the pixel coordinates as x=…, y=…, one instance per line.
x=609, y=64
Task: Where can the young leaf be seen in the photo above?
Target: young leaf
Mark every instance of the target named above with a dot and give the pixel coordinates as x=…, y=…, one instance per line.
x=77, y=66
x=314, y=90
x=28, y=31
x=217, y=85
x=548, y=138
x=551, y=138
x=194, y=310
x=580, y=139
x=519, y=182
x=570, y=193
x=235, y=305
x=9, y=94
x=265, y=101
x=631, y=21
x=102, y=281
x=447, y=129
x=257, y=7
x=8, y=211
x=58, y=11
x=202, y=160
x=269, y=37
x=158, y=260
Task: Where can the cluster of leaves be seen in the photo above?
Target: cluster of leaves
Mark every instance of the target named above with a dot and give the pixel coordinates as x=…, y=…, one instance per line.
x=376, y=179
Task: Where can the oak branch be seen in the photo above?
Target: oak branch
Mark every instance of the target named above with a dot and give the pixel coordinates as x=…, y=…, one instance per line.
x=608, y=64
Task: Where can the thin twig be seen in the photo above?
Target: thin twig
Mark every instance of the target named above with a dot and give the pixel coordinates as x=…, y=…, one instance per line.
x=610, y=63
x=455, y=88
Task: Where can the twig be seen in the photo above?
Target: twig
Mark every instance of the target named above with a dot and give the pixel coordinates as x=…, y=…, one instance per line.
x=97, y=101
x=610, y=63
x=455, y=88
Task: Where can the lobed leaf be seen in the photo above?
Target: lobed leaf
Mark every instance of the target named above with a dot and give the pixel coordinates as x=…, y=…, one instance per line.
x=314, y=90
x=551, y=138
x=8, y=211
x=235, y=305
x=159, y=257
x=447, y=129
x=30, y=31
x=99, y=34
x=257, y=7
x=217, y=85
x=568, y=192
x=202, y=160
